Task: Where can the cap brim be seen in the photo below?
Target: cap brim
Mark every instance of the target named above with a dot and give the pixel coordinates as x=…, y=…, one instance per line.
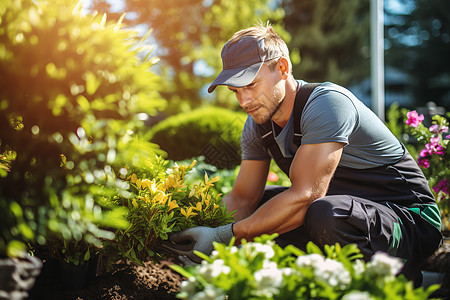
x=237, y=77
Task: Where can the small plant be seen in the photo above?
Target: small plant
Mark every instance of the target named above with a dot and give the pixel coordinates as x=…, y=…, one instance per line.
x=264, y=270
x=434, y=156
x=161, y=203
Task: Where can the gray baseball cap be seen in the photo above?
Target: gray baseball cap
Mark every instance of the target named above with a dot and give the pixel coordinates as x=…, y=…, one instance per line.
x=242, y=61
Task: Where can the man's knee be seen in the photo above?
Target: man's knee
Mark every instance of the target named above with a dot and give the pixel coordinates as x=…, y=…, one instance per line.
x=327, y=211
x=326, y=218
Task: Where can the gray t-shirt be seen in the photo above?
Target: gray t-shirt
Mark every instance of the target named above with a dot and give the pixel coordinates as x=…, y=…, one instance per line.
x=332, y=114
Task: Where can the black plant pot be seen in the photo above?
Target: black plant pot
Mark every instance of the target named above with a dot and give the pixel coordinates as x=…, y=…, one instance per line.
x=66, y=276
x=75, y=277
x=17, y=276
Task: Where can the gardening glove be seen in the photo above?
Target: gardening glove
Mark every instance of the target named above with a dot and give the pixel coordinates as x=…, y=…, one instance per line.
x=199, y=238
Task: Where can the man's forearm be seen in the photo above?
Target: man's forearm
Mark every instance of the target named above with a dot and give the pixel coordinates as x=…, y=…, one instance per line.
x=281, y=214
x=242, y=209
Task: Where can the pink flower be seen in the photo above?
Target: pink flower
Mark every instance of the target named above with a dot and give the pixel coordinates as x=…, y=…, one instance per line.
x=423, y=162
x=438, y=129
x=433, y=147
x=272, y=177
x=425, y=153
x=443, y=186
x=414, y=119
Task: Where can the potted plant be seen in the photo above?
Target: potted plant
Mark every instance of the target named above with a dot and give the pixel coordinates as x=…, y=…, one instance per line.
x=72, y=89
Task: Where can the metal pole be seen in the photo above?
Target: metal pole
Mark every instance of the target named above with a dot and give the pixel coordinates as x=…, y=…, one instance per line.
x=377, y=57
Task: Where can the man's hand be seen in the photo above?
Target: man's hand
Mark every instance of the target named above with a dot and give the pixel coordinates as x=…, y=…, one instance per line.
x=198, y=238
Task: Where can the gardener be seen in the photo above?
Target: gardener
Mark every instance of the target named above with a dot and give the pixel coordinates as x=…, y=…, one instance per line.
x=352, y=181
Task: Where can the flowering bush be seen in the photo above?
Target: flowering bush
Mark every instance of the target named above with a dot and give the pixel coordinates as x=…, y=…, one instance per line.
x=162, y=202
x=264, y=270
x=434, y=156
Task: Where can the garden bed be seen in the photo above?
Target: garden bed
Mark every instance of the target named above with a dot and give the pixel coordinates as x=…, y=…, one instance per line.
x=158, y=281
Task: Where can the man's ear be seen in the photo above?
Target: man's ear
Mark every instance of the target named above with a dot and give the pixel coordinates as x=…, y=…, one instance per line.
x=283, y=66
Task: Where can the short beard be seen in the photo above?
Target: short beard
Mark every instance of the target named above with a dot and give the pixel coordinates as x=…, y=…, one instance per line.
x=276, y=108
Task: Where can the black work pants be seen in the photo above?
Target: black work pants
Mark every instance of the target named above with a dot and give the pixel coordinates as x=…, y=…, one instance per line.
x=372, y=226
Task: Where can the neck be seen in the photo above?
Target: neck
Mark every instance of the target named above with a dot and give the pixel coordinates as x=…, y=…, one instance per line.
x=287, y=105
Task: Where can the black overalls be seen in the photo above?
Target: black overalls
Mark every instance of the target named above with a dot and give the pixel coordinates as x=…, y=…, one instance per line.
x=388, y=208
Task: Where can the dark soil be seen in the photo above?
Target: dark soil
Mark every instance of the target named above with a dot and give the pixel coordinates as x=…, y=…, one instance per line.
x=125, y=281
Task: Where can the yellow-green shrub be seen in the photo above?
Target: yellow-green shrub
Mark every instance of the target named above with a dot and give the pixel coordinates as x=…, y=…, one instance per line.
x=163, y=203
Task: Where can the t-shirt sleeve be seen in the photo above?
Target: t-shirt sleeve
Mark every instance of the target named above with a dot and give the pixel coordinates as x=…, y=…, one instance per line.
x=329, y=116
x=251, y=143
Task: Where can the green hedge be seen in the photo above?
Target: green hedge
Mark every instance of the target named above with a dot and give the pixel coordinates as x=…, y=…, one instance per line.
x=211, y=132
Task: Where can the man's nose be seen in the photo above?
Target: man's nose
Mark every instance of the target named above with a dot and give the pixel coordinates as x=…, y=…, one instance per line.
x=244, y=98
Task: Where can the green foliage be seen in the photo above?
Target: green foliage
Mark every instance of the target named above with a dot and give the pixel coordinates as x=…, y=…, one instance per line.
x=71, y=88
x=332, y=38
x=161, y=203
x=211, y=131
x=192, y=34
x=264, y=270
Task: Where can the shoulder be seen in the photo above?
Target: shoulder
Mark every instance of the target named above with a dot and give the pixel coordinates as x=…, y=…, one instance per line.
x=329, y=93
x=329, y=115
x=331, y=102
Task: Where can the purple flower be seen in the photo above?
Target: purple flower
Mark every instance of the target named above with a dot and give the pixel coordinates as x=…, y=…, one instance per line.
x=414, y=119
x=443, y=186
x=438, y=129
x=423, y=162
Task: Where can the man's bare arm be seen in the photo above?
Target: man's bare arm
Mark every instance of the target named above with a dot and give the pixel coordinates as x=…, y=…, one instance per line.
x=248, y=188
x=311, y=172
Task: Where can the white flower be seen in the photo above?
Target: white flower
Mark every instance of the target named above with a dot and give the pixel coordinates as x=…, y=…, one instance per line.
x=327, y=270
x=333, y=272
x=357, y=295
x=288, y=271
x=270, y=276
x=309, y=260
x=253, y=249
x=212, y=270
x=214, y=254
x=359, y=267
x=268, y=279
x=209, y=293
x=189, y=286
x=384, y=265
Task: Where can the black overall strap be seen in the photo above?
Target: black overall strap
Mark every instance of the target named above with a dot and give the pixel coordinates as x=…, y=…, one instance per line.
x=300, y=101
x=267, y=134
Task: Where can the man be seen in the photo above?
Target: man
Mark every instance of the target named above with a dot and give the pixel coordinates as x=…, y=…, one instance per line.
x=352, y=180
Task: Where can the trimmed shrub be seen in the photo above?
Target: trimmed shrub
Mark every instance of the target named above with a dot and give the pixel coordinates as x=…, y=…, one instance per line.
x=211, y=132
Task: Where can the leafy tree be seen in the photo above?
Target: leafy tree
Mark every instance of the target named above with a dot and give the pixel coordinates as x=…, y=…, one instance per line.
x=71, y=88
x=191, y=34
x=332, y=38
x=420, y=46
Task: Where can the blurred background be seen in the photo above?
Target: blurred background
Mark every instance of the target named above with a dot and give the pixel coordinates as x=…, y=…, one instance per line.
x=329, y=41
